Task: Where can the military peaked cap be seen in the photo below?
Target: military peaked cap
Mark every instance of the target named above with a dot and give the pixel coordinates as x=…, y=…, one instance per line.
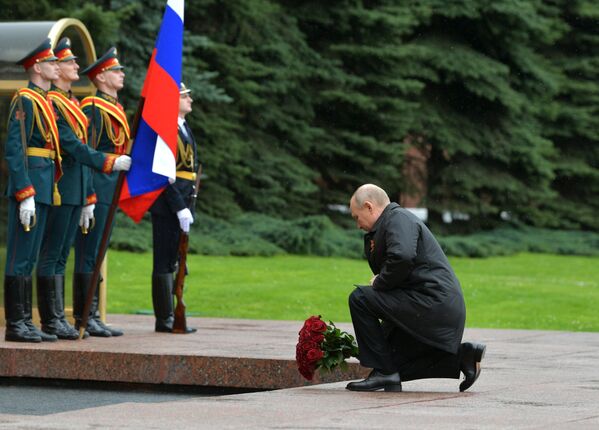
x=63, y=50
x=108, y=61
x=40, y=54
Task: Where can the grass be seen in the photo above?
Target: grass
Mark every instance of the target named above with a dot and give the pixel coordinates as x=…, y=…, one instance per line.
x=524, y=291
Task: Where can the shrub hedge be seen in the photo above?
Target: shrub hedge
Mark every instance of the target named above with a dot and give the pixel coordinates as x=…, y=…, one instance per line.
x=262, y=235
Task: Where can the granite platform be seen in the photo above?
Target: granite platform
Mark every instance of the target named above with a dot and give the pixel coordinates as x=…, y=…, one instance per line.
x=530, y=380
x=227, y=353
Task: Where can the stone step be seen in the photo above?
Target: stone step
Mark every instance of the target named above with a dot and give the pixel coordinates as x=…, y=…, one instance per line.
x=232, y=353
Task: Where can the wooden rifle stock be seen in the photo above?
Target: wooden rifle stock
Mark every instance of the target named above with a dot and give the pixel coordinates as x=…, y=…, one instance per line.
x=180, y=323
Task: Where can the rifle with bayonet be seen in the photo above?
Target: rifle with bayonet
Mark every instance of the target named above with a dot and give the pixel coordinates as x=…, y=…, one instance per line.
x=180, y=323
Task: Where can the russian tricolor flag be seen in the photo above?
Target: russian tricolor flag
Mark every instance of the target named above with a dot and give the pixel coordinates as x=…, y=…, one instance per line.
x=154, y=156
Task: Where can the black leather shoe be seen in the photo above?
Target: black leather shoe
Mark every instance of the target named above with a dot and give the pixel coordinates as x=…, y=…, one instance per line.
x=472, y=355
x=112, y=330
x=93, y=329
x=162, y=327
x=188, y=330
x=377, y=381
x=46, y=337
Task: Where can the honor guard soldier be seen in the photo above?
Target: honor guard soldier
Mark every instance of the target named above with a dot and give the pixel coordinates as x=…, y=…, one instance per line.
x=108, y=132
x=171, y=214
x=76, y=190
x=33, y=158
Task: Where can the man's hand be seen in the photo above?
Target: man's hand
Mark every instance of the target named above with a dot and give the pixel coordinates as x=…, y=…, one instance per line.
x=26, y=211
x=87, y=214
x=123, y=162
x=185, y=219
x=372, y=280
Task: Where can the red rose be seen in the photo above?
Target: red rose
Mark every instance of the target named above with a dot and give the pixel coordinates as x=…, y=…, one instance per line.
x=314, y=355
x=305, y=335
x=318, y=326
x=308, y=345
x=317, y=338
x=313, y=345
x=310, y=322
x=306, y=372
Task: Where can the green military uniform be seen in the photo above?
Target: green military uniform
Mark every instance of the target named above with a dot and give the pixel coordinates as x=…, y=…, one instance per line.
x=33, y=166
x=109, y=133
x=76, y=190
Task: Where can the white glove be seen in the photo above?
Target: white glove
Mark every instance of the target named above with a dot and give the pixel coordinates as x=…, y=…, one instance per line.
x=185, y=219
x=26, y=211
x=123, y=162
x=87, y=214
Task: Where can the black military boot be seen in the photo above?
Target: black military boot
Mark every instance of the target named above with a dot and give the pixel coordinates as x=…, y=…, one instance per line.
x=162, y=299
x=81, y=283
x=14, y=309
x=32, y=328
x=95, y=315
x=47, y=306
x=68, y=331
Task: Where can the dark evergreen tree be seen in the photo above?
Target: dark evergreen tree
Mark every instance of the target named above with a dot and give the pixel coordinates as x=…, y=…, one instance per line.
x=574, y=125
x=460, y=79
x=362, y=99
x=298, y=102
x=255, y=147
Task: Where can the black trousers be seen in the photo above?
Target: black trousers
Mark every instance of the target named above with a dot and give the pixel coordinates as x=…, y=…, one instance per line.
x=165, y=241
x=386, y=347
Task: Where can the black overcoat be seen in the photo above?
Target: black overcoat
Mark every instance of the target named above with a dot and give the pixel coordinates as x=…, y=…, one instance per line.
x=416, y=287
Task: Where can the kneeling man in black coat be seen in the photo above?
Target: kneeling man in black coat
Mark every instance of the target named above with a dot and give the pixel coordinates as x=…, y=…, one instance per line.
x=409, y=321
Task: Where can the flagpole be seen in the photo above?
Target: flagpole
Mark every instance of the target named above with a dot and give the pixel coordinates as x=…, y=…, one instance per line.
x=107, y=227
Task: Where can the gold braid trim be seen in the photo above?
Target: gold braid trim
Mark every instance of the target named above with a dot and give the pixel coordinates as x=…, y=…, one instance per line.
x=46, y=133
x=184, y=154
x=73, y=124
x=116, y=141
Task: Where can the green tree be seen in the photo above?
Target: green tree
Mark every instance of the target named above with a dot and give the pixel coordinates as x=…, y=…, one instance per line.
x=574, y=123
x=461, y=79
x=298, y=102
x=485, y=91
x=361, y=98
x=254, y=148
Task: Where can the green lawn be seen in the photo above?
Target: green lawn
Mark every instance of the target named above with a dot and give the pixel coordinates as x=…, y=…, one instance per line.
x=533, y=291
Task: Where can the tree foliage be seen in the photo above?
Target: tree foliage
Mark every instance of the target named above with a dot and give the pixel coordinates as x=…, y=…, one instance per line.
x=573, y=126
x=298, y=102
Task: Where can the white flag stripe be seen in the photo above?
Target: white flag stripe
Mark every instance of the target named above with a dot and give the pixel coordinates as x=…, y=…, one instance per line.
x=164, y=162
x=177, y=6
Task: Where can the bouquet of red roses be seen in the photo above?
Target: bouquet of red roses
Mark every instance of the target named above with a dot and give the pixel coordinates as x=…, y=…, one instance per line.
x=323, y=346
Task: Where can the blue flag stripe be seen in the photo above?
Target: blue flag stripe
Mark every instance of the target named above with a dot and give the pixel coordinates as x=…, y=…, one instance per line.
x=169, y=46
